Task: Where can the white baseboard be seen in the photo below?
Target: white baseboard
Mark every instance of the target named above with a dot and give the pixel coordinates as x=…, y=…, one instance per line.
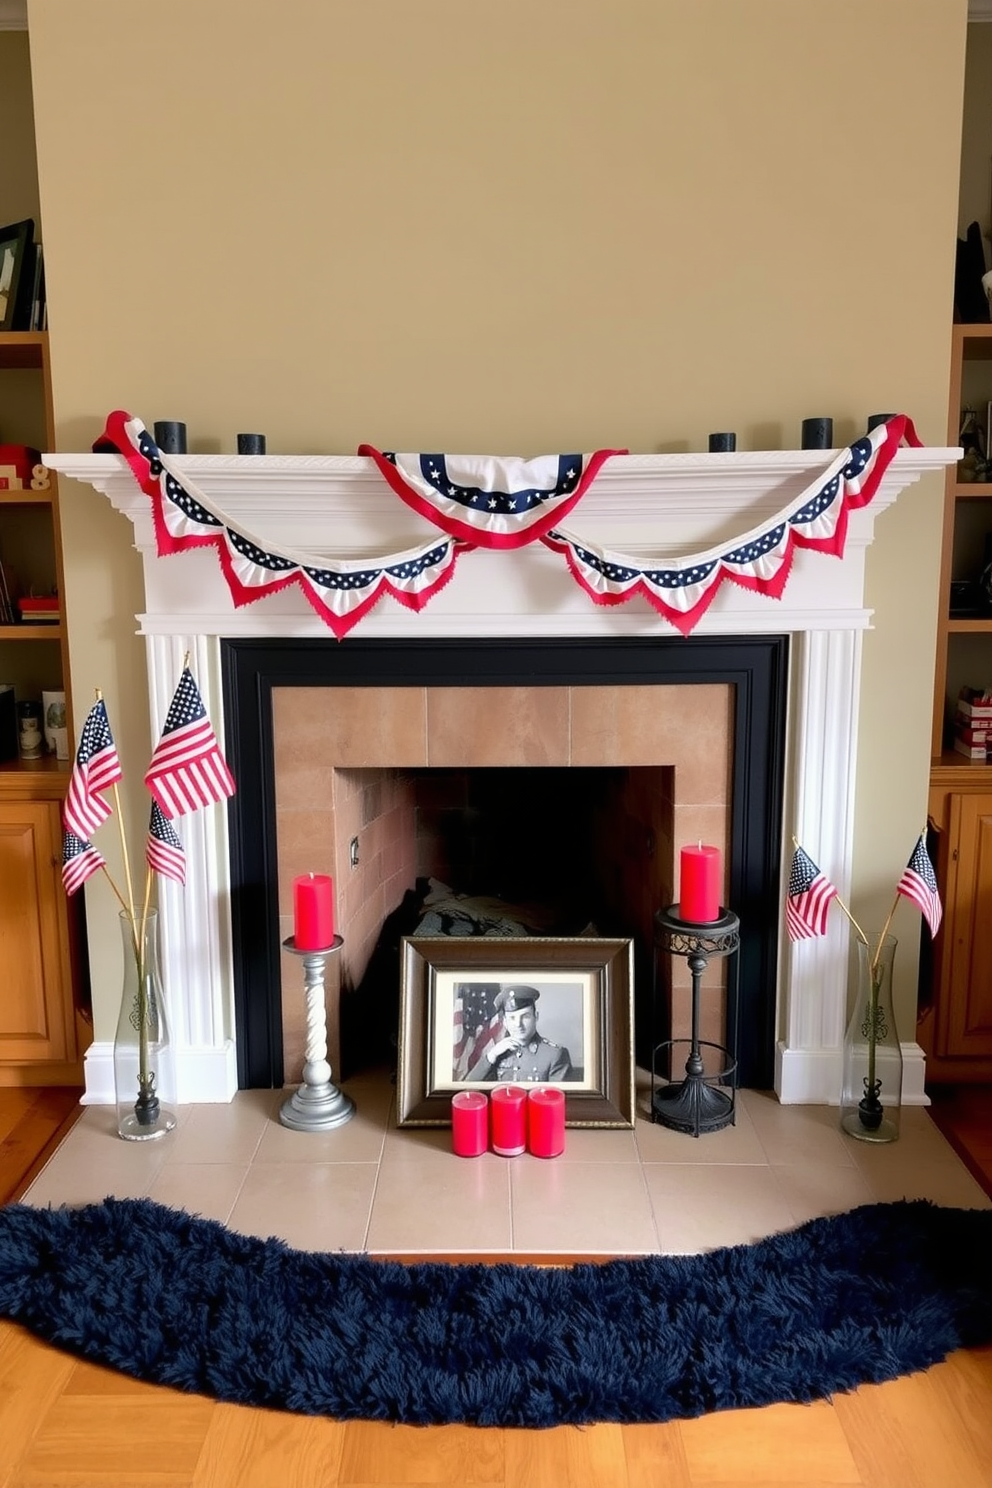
x=208, y=1076
x=812, y=1077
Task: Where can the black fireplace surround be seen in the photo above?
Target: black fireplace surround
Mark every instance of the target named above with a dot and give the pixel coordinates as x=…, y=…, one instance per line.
x=756, y=667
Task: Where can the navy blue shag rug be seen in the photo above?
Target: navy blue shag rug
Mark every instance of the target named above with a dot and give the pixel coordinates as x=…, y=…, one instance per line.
x=164, y=1296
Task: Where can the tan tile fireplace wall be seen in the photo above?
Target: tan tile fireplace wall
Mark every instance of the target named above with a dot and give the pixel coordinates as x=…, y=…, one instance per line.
x=340, y=758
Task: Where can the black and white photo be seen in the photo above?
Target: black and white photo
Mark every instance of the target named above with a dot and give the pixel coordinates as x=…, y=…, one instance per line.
x=481, y=1011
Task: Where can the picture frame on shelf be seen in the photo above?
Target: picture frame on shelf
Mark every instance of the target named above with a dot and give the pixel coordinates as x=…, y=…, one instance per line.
x=461, y=997
x=16, y=249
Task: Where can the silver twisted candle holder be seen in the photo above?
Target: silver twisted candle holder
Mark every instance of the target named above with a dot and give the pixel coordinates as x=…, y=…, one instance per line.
x=318, y=1104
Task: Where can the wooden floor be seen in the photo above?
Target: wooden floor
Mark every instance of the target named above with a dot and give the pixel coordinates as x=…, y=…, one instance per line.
x=64, y=1422
x=963, y=1113
x=32, y=1123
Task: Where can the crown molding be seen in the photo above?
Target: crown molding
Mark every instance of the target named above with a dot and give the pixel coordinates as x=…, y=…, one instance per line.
x=13, y=15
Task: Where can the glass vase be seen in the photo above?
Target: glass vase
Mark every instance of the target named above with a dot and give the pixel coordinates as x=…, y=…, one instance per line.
x=144, y=1079
x=871, y=1095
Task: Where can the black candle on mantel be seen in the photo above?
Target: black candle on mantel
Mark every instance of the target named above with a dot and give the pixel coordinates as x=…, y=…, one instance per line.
x=722, y=442
x=874, y=419
x=251, y=444
x=818, y=433
x=170, y=437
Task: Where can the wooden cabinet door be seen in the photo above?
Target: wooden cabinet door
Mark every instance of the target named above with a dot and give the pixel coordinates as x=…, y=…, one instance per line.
x=36, y=1021
x=966, y=1010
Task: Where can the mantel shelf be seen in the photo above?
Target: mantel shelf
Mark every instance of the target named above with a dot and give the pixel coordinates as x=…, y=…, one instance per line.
x=637, y=503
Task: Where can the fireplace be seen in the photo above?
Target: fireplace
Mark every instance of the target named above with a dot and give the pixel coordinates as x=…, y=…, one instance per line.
x=220, y=935
x=755, y=669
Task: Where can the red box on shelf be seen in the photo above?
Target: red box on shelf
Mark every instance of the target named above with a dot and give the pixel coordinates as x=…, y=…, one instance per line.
x=45, y=609
x=977, y=752
x=975, y=729
x=974, y=703
x=17, y=462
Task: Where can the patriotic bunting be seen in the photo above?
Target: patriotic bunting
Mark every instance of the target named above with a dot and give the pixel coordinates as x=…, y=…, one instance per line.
x=682, y=589
x=504, y=503
x=187, y=769
x=96, y=769
x=489, y=502
x=341, y=591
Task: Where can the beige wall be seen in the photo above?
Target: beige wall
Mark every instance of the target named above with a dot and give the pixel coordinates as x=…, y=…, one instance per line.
x=18, y=162
x=510, y=228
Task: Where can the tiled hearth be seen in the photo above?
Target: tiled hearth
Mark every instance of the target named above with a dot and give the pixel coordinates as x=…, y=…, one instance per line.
x=368, y=1186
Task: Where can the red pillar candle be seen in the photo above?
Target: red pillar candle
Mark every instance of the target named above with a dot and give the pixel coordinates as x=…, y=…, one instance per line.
x=699, y=885
x=509, y=1115
x=469, y=1123
x=546, y=1121
x=313, y=911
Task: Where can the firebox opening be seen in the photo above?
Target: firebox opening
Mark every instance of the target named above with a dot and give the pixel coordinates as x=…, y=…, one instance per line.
x=500, y=852
x=299, y=711
x=565, y=840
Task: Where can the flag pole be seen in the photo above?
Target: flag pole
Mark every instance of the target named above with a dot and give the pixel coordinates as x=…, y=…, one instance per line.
x=885, y=931
x=129, y=906
x=120, y=897
x=124, y=842
x=144, y=907
x=127, y=862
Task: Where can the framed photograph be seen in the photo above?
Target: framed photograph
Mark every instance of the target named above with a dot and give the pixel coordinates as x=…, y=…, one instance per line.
x=16, y=247
x=483, y=1010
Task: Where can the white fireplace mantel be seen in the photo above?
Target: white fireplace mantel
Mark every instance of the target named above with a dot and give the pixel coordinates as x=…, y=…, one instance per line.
x=641, y=505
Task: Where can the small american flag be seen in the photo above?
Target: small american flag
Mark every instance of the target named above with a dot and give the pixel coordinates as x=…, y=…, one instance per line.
x=187, y=769
x=96, y=769
x=919, y=883
x=80, y=860
x=163, y=849
x=477, y=1024
x=808, y=899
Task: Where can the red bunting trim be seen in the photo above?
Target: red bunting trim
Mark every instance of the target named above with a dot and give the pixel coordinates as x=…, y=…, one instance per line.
x=760, y=561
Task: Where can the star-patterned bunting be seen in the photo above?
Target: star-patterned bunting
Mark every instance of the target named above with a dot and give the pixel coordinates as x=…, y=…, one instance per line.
x=504, y=503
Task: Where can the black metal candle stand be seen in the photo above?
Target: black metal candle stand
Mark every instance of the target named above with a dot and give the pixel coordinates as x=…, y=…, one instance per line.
x=701, y=1102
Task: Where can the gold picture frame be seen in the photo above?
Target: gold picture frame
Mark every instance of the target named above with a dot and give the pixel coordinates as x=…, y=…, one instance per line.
x=449, y=1014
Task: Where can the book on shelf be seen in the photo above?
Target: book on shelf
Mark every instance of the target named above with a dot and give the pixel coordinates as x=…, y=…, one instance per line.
x=974, y=703
x=976, y=752
x=44, y=609
x=38, y=315
x=8, y=722
x=981, y=734
x=7, y=616
x=29, y=308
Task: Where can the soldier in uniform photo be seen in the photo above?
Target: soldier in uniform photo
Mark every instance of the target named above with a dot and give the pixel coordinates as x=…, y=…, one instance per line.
x=522, y=1054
